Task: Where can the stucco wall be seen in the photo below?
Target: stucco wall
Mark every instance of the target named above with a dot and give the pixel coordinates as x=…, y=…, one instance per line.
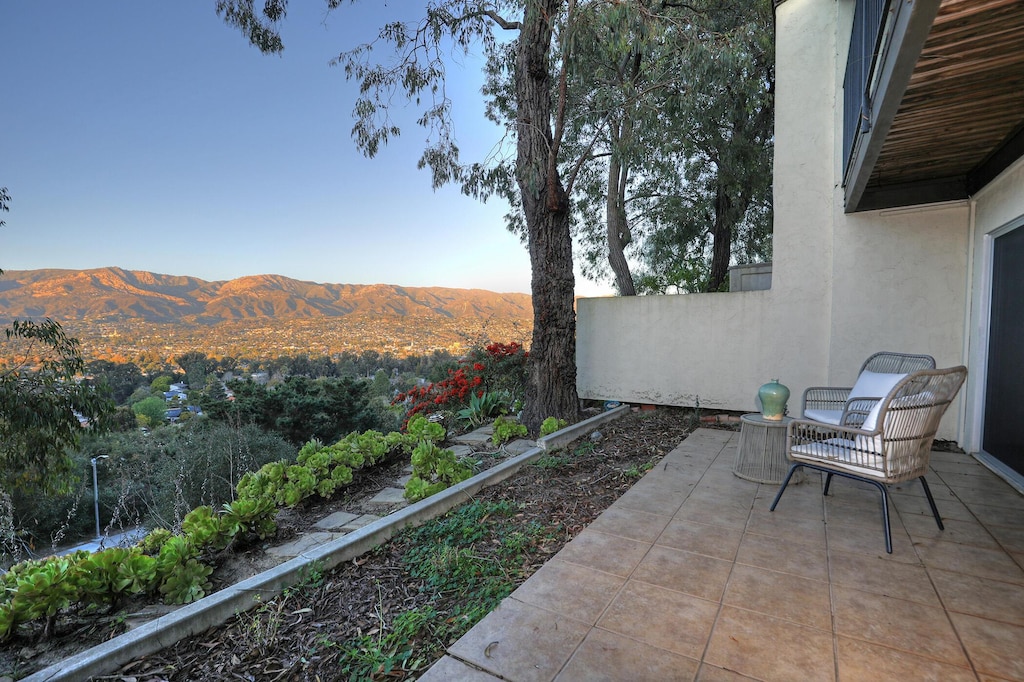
x=721, y=347
x=843, y=286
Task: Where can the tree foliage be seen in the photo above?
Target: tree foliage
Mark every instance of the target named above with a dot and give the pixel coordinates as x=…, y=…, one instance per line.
x=300, y=408
x=538, y=56
x=43, y=406
x=722, y=210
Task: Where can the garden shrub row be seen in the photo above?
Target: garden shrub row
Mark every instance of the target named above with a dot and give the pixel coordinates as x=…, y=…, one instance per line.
x=178, y=566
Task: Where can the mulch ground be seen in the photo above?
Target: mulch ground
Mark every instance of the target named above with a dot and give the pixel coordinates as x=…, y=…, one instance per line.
x=295, y=637
x=291, y=638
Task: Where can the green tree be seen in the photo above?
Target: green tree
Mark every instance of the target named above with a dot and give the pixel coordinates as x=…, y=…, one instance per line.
x=300, y=408
x=43, y=406
x=161, y=385
x=723, y=210
x=121, y=377
x=538, y=58
x=196, y=366
x=381, y=385
x=152, y=409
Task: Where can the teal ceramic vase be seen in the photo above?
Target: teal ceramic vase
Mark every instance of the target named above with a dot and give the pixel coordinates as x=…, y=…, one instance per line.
x=773, y=397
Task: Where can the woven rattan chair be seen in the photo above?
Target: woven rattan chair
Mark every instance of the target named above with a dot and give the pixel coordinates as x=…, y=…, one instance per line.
x=892, y=445
x=842, y=406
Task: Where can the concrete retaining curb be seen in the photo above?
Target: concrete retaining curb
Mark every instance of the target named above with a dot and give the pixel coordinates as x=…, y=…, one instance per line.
x=219, y=607
x=578, y=430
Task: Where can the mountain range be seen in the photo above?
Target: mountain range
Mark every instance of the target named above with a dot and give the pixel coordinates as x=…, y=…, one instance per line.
x=114, y=294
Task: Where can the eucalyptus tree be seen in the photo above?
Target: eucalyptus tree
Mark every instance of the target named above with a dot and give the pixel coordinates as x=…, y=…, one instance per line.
x=537, y=55
x=724, y=208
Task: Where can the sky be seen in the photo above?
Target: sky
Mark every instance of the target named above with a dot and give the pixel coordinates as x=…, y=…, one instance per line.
x=151, y=136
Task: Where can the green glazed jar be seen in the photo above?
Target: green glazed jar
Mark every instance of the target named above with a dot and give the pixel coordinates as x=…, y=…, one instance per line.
x=773, y=397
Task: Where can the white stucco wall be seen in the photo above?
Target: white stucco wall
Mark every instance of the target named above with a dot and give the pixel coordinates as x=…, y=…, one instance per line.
x=721, y=347
x=843, y=286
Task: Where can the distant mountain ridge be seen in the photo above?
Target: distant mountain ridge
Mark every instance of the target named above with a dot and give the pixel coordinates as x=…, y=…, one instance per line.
x=114, y=294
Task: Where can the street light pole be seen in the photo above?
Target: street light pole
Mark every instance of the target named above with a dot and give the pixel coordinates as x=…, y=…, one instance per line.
x=96, y=494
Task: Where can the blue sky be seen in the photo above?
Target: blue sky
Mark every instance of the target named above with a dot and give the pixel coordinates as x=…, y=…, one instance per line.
x=152, y=136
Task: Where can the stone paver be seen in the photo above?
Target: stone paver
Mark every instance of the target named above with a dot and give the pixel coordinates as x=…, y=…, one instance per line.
x=388, y=497
x=458, y=451
x=359, y=522
x=689, y=576
x=302, y=544
x=335, y=521
x=519, y=446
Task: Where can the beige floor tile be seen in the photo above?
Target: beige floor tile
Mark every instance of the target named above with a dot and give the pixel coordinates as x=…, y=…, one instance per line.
x=980, y=596
x=789, y=525
x=571, y=590
x=940, y=491
x=712, y=673
x=978, y=561
x=713, y=511
x=520, y=642
x=714, y=541
x=923, y=527
x=856, y=513
x=769, y=648
x=652, y=501
x=998, y=516
x=780, y=595
x=863, y=661
x=1011, y=539
x=609, y=657
x=871, y=541
x=607, y=553
x=995, y=648
x=449, y=669
x=696, y=574
x=662, y=618
x=913, y=504
x=994, y=496
x=896, y=623
x=881, y=576
x=783, y=555
x=630, y=524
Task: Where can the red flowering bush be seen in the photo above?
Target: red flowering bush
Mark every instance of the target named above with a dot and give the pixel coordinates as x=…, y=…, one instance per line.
x=495, y=367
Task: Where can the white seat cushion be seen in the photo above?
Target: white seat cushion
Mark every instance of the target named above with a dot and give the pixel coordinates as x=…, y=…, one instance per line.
x=825, y=416
x=844, y=454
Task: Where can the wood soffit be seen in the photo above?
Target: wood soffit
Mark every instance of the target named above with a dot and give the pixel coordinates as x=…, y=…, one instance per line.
x=961, y=119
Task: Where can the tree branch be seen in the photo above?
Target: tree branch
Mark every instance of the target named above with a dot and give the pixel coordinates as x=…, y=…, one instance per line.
x=502, y=22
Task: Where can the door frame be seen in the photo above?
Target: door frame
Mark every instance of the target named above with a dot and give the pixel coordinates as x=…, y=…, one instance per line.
x=981, y=326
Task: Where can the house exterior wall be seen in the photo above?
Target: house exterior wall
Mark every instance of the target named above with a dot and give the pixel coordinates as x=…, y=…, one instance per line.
x=843, y=286
x=997, y=207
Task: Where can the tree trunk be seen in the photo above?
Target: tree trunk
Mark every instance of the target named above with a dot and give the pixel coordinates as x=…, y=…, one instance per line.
x=552, y=384
x=721, y=233
x=615, y=215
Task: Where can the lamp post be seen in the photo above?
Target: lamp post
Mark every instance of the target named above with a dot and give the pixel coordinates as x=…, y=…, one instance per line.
x=96, y=494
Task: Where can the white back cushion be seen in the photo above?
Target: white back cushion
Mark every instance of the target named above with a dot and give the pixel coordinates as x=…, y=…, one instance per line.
x=874, y=385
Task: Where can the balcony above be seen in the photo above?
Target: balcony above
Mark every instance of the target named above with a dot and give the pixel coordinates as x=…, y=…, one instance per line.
x=938, y=109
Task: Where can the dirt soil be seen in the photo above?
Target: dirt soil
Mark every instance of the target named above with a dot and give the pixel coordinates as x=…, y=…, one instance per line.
x=280, y=642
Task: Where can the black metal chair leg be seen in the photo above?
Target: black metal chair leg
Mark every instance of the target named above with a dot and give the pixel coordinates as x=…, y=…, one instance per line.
x=931, y=503
x=828, y=482
x=792, y=469
x=885, y=518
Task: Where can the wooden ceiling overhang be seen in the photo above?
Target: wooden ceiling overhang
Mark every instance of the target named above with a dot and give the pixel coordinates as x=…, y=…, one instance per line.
x=948, y=106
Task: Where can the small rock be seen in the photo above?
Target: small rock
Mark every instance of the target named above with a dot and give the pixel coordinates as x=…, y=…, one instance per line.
x=596, y=436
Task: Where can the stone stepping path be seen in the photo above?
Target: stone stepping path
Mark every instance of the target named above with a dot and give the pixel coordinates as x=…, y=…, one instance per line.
x=392, y=497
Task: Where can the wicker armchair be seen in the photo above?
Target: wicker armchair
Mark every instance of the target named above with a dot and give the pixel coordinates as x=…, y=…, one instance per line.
x=892, y=444
x=834, y=405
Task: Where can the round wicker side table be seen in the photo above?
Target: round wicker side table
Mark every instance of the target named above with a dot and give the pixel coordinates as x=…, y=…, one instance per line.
x=761, y=456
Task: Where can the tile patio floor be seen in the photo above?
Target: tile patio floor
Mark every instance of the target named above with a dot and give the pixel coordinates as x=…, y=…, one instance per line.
x=689, y=576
